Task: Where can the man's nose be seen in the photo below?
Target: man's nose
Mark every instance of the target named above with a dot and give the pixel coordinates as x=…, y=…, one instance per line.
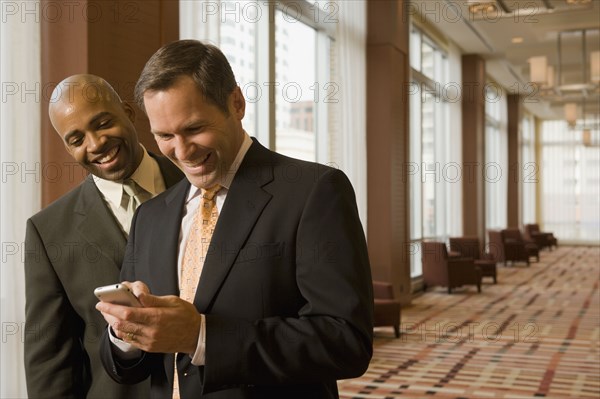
x=184, y=150
x=95, y=142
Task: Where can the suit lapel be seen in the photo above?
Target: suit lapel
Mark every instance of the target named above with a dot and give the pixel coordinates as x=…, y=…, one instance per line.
x=165, y=241
x=245, y=201
x=97, y=225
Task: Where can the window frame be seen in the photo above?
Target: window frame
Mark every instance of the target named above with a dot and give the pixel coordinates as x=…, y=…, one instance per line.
x=314, y=17
x=428, y=86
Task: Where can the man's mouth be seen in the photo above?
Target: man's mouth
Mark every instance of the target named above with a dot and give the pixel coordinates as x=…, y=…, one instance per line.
x=109, y=156
x=199, y=163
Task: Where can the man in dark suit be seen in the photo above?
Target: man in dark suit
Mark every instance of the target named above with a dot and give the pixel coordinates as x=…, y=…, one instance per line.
x=77, y=243
x=283, y=305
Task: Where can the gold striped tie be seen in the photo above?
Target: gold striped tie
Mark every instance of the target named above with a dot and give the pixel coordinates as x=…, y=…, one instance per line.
x=136, y=196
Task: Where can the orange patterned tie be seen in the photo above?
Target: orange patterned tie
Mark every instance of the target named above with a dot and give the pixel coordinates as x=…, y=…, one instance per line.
x=196, y=248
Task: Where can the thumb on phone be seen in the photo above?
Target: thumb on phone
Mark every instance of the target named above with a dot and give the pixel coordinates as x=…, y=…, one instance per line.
x=153, y=301
x=137, y=287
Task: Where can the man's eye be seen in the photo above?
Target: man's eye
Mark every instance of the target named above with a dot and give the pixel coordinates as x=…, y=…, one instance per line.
x=196, y=129
x=76, y=142
x=105, y=124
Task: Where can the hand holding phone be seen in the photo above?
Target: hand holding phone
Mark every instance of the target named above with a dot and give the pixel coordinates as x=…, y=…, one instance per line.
x=118, y=294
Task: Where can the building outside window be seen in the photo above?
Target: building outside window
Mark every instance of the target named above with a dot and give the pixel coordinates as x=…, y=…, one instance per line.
x=295, y=71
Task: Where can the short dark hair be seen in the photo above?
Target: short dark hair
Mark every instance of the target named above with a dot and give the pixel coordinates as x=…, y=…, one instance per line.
x=204, y=63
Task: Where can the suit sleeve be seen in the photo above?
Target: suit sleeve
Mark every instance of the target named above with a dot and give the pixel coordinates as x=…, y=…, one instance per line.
x=127, y=371
x=331, y=336
x=53, y=349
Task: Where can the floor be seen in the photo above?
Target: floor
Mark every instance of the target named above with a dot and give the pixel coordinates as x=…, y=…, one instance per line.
x=534, y=334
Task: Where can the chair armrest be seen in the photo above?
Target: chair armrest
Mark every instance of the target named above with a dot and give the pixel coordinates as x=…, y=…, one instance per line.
x=383, y=290
x=461, y=263
x=487, y=256
x=513, y=244
x=463, y=267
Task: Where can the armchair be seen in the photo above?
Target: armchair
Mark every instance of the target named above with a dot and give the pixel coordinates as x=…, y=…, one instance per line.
x=516, y=248
x=469, y=247
x=440, y=269
x=541, y=238
x=495, y=245
x=387, y=309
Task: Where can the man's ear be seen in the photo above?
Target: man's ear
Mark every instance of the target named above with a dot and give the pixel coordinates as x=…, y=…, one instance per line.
x=237, y=103
x=129, y=111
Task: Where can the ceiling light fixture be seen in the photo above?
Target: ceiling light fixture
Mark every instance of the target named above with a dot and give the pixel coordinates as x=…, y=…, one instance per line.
x=538, y=67
x=584, y=85
x=545, y=75
x=595, y=66
x=482, y=6
x=571, y=113
x=576, y=2
x=549, y=76
x=587, y=137
x=517, y=39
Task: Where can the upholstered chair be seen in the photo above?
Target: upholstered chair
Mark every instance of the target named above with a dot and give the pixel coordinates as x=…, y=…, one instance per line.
x=451, y=272
x=516, y=248
x=541, y=238
x=469, y=247
x=387, y=309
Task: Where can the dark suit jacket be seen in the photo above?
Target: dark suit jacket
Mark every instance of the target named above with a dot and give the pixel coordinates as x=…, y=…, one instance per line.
x=73, y=246
x=286, y=285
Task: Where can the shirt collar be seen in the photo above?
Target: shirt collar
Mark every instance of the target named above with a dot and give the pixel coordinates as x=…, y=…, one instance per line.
x=226, y=179
x=144, y=176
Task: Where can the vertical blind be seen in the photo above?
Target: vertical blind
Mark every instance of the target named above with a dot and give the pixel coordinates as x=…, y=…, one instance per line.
x=570, y=175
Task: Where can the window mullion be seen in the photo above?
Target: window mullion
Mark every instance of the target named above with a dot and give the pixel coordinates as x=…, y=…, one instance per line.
x=265, y=74
x=321, y=107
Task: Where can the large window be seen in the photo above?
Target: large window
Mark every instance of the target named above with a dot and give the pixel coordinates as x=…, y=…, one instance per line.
x=529, y=170
x=285, y=55
x=495, y=171
x=434, y=169
x=285, y=84
x=237, y=34
x=571, y=181
x=298, y=90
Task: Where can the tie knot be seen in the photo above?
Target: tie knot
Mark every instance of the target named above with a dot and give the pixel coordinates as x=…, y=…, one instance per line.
x=131, y=188
x=209, y=193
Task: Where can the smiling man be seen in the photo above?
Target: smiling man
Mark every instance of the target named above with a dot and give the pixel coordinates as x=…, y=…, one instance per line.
x=253, y=271
x=76, y=244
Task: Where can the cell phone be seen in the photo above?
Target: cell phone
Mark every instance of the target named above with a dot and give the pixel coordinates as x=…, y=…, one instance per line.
x=118, y=294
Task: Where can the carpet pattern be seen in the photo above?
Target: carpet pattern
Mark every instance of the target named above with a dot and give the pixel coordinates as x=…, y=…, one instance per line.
x=534, y=334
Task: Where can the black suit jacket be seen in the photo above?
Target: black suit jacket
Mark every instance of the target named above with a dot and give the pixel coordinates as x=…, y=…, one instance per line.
x=286, y=285
x=71, y=247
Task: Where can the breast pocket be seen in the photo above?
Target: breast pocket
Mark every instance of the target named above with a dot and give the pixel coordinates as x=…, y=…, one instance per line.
x=255, y=252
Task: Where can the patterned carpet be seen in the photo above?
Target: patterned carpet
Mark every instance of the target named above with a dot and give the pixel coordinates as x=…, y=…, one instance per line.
x=534, y=334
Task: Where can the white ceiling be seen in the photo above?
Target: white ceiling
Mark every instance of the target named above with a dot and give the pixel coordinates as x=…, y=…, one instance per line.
x=538, y=23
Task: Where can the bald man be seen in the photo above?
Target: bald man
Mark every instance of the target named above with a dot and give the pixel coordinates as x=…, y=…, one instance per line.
x=77, y=243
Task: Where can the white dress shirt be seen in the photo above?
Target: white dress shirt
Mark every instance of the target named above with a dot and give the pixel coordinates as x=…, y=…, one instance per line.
x=147, y=176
